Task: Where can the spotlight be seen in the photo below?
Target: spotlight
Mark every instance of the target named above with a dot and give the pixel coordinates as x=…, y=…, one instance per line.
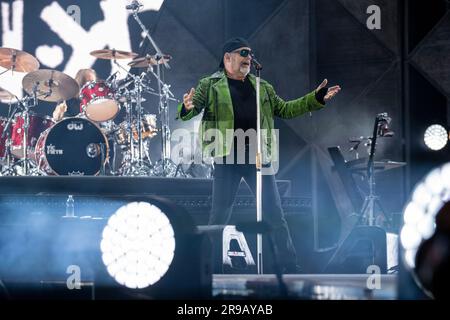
x=148, y=248
x=138, y=245
x=425, y=234
x=152, y=249
x=435, y=137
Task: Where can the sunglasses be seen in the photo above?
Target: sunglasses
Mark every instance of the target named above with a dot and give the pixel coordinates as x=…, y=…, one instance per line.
x=244, y=52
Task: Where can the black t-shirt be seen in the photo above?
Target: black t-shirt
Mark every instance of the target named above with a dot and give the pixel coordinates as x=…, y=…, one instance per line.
x=243, y=96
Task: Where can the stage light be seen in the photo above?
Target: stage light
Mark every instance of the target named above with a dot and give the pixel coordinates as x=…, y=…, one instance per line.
x=425, y=233
x=435, y=137
x=138, y=245
x=147, y=248
x=151, y=248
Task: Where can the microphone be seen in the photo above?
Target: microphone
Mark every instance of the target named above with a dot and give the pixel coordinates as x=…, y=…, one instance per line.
x=134, y=5
x=255, y=62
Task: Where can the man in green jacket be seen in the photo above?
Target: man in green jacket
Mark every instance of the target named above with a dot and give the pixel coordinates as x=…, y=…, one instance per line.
x=228, y=101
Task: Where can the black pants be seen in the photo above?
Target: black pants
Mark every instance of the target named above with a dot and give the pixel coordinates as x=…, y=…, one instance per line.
x=226, y=182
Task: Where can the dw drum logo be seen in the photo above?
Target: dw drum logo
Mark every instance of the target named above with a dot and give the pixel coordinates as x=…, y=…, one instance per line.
x=75, y=125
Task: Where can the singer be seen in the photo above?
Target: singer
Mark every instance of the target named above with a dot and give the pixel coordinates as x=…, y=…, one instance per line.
x=228, y=99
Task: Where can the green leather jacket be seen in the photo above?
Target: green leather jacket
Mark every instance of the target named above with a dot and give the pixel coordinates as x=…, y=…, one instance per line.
x=217, y=127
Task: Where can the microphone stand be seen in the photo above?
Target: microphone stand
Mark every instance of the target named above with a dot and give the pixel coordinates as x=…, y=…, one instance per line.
x=259, y=253
x=371, y=200
x=147, y=35
x=164, y=167
x=263, y=228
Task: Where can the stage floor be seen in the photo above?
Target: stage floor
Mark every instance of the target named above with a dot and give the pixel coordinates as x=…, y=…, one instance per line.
x=307, y=286
x=230, y=287
x=193, y=194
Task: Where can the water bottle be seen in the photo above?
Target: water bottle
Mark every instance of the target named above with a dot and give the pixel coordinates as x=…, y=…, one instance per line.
x=70, y=207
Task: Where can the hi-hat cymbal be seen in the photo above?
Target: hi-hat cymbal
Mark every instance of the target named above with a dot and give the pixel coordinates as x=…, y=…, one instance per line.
x=52, y=85
x=6, y=96
x=17, y=60
x=384, y=165
x=148, y=60
x=113, y=54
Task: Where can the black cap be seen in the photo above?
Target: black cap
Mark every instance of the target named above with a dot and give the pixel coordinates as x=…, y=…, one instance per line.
x=231, y=45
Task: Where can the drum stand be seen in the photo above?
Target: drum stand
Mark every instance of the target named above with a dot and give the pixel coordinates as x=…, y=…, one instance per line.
x=8, y=169
x=27, y=166
x=138, y=165
x=372, y=201
x=135, y=165
x=165, y=167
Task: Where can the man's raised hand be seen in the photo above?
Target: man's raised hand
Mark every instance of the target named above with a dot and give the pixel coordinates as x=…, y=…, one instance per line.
x=187, y=100
x=331, y=91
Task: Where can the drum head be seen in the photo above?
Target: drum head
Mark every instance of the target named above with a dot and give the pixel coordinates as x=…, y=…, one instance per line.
x=102, y=109
x=74, y=147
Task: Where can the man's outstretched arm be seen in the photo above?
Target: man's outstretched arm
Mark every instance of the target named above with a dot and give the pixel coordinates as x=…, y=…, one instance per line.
x=314, y=100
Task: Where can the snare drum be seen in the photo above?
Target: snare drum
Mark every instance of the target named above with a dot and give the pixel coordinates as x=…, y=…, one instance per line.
x=38, y=124
x=73, y=146
x=98, y=102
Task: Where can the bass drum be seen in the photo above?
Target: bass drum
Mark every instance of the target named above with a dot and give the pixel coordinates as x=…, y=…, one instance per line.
x=73, y=146
x=37, y=125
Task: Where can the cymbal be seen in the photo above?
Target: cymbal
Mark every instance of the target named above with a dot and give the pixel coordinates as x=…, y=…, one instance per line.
x=52, y=85
x=5, y=95
x=113, y=54
x=358, y=165
x=18, y=60
x=148, y=60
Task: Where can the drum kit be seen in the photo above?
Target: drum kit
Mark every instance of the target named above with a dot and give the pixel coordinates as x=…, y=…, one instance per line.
x=91, y=142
